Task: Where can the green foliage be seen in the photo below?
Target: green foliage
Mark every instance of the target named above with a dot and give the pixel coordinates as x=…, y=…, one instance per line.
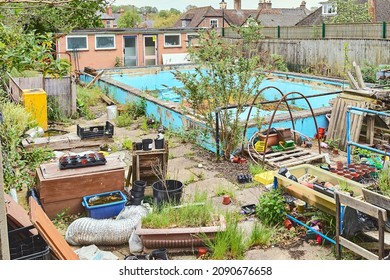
x=383, y=182
x=127, y=144
x=256, y=169
x=198, y=213
x=225, y=74
x=369, y=72
x=228, y=244
x=278, y=62
x=333, y=143
x=129, y=19
x=260, y=235
x=29, y=51
x=271, y=208
x=45, y=17
x=348, y=11
x=54, y=112
x=124, y=119
x=18, y=164
x=223, y=190
x=136, y=109
x=87, y=98
x=166, y=18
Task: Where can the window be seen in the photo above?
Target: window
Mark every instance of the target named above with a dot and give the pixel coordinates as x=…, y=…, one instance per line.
x=213, y=23
x=172, y=40
x=108, y=23
x=104, y=42
x=192, y=39
x=76, y=43
x=329, y=9
x=185, y=22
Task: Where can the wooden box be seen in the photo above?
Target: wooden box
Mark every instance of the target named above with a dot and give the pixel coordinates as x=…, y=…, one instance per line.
x=63, y=190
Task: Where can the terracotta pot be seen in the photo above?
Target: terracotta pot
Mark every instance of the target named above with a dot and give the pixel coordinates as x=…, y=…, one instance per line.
x=339, y=165
x=287, y=224
x=226, y=200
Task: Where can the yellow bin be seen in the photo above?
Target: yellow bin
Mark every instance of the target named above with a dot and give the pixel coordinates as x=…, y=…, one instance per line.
x=35, y=102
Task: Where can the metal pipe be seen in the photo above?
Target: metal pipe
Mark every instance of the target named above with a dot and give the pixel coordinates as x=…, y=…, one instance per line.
x=348, y=137
x=217, y=110
x=351, y=108
x=273, y=116
x=315, y=231
x=368, y=148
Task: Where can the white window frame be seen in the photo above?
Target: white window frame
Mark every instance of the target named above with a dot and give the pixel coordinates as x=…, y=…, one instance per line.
x=215, y=20
x=76, y=36
x=188, y=40
x=326, y=7
x=172, y=46
x=105, y=35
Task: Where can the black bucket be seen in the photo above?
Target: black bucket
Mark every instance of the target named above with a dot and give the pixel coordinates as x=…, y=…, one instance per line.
x=147, y=144
x=136, y=201
x=139, y=185
x=159, y=143
x=168, y=193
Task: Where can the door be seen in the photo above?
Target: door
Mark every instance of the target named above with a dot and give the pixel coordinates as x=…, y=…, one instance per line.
x=150, y=50
x=130, y=51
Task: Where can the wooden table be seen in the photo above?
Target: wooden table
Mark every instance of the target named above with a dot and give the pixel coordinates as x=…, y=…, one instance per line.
x=63, y=190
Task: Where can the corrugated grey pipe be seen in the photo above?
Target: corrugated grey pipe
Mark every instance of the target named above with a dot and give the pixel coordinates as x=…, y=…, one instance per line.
x=87, y=231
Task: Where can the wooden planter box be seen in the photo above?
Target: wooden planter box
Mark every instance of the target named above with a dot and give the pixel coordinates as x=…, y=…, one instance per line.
x=180, y=238
x=376, y=199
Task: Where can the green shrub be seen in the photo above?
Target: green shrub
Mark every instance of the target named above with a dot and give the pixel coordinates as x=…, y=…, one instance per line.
x=260, y=235
x=127, y=144
x=256, y=169
x=124, y=119
x=271, y=209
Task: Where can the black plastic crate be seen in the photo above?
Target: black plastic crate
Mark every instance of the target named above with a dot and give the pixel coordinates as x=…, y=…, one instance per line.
x=96, y=131
x=25, y=246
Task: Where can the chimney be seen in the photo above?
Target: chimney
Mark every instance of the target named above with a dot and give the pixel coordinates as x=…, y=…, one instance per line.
x=303, y=5
x=237, y=5
x=265, y=5
x=121, y=11
x=109, y=10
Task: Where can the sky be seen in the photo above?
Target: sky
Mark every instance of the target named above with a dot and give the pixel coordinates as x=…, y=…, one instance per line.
x=246, y=4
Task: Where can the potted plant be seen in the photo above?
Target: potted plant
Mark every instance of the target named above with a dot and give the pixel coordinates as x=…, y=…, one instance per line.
x=180, y=226
x=379, y=192
x=333, y=144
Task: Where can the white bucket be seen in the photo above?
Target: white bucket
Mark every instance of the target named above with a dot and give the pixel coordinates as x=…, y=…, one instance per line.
x=111, y=112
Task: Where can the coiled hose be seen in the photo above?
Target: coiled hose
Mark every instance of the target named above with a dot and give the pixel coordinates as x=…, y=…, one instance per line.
x=87, y=231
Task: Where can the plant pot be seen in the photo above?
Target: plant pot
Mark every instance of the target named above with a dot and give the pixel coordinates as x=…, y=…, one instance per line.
x=147, y=144
x=135, y=194
x=139, y=185
x=159, y=143
x=136, y=201
x=180, y=238
x=170, y=192
x=138, y=146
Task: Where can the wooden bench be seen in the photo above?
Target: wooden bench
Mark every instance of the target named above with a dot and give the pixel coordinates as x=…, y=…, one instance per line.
x=382, y=237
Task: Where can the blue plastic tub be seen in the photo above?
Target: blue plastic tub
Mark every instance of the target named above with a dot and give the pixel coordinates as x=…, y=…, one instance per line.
x=104, y=211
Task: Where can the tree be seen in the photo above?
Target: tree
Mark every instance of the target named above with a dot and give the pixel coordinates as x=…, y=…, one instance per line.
x=52, y=16
x=166, y=18
x=148, y=10
x=129, y=19
x=348, y=11
x=225, y=74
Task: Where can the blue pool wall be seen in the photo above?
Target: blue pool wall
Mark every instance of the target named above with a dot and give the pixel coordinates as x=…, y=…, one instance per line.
x=171, y=117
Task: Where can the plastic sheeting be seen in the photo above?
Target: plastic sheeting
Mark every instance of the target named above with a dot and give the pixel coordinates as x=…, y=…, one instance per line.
x=87, y=231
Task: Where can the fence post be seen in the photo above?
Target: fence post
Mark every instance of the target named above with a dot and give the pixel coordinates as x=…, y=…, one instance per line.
x=384, y=27
x=323, y=30
x=278, y=31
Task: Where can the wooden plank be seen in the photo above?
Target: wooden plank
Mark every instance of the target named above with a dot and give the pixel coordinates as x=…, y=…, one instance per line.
x=49, y=233
x=97, y=77
x=360, y=205
x=271, y=155
x=333, y=118
x=304, y=160
x=359, y=75
x=107, y=100
x=77, y=186
x=376, y=199
x=17, y=214
x=288, y=156
x=52, y=170
x=375, y=235
x=352, y=82
x=357, y=249
x=69, y=207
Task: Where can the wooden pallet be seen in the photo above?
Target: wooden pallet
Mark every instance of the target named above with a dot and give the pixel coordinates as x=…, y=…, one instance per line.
x=291, y=157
